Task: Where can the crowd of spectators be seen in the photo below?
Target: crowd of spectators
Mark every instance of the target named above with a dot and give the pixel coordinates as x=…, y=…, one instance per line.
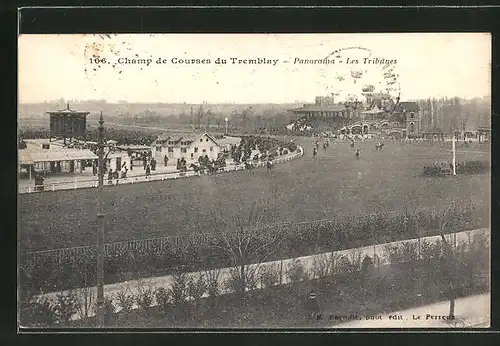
x=267, y=146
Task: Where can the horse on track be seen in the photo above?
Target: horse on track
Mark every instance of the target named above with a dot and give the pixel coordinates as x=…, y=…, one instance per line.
x=270, y=165
x=249, y=166
x=379, y=146
x=197, y=169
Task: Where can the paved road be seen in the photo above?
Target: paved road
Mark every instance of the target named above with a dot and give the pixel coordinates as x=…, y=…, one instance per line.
x=470, y=312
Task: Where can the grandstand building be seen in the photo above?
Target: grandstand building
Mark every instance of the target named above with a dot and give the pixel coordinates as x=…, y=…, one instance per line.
x=324, y=114
x=379, y=115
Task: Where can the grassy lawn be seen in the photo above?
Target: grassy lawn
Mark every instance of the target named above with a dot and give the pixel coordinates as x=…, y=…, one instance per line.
x=304, y=189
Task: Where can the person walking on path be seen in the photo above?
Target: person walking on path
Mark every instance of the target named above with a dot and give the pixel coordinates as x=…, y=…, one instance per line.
x=312, y=307
x=165, y=160
x=116, y=176
x=110, y=177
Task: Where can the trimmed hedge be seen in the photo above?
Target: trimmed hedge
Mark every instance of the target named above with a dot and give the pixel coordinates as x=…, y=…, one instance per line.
x=473, y=167
x=467, y=167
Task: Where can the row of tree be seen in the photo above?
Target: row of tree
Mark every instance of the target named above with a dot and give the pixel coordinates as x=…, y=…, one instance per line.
x=250, y=235
x=454, y=114
x=203, y=116
x=456, y=269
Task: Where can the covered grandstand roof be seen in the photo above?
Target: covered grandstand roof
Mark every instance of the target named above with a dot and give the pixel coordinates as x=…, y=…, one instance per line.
x=374, y=110
x=34, y=152
x=30, y=156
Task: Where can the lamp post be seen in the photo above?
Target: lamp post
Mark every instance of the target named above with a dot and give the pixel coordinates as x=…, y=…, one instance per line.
x=101, y=144
x=454, y=154
x=100, y=223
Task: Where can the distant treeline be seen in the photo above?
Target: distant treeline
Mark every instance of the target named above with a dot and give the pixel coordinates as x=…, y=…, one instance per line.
x=122, y=136
x=438, y=114
x=454, y=114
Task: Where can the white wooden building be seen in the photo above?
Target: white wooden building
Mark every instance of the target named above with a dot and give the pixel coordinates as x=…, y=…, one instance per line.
x=190, y=146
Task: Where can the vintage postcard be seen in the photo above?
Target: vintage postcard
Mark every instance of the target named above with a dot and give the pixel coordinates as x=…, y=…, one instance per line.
x=254, y=180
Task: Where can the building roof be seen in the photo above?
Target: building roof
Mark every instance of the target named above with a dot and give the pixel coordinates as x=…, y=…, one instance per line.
x=229, y=141
x=374, y=110
x=30, y=155
x=68, y=111
x=185, y=137
x=133, y=147
x=484, y=128
x=320, y=108
x=407, y=106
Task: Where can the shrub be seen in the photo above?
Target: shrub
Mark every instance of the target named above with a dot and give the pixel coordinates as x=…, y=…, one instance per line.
x=344, y=265
x=269, y=275
x=196, y=287
x=163, y=298
x=355, y=259
x=67, y=306
x=86, y=302
x=178, y=288
x=323, y=265
x=405, y=252
x=366, y=269
x=367, y=264
x=473, y=167
x=109, y=307
x=145, y=294
x=212, y=279
x=239, y=282
x=430, y=251
x=38, y=312
x=431, y=171
x=125, y=299
x=295, y=271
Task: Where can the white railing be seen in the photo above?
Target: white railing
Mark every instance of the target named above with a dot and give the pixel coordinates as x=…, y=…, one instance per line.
x=89, y=183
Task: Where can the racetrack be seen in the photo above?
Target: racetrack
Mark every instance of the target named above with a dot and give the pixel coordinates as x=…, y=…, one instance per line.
x=303, y=189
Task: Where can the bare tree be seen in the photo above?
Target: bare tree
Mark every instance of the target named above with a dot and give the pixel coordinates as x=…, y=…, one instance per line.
x=246, y=115
x=200, y=113
x=244, y=236
x=465, y=118
x=209, y=116
x=449, y=260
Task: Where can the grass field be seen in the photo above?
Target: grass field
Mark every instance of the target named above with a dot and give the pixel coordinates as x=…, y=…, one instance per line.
x=304, y=189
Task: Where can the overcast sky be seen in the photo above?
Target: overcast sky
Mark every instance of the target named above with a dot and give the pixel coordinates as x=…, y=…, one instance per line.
x=58, y=66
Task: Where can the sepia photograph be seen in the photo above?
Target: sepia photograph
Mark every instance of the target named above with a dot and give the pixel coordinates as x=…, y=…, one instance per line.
x=254, y=181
